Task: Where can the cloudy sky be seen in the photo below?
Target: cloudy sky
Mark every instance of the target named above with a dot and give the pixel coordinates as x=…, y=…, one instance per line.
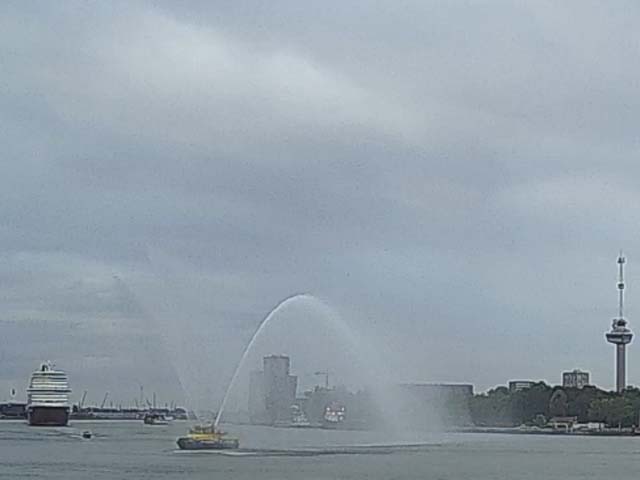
x=454, y=179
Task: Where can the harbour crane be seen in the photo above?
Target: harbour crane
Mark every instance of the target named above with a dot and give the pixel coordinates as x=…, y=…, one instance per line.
x=324, y=373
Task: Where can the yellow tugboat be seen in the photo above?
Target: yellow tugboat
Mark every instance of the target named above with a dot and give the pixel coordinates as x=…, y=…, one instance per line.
x=206, y=437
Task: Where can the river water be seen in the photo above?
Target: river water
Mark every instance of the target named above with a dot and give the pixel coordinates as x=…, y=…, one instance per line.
x=130, y=450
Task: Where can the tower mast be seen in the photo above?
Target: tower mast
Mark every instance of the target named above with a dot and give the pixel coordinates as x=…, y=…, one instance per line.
x=621, y=262
x=620, y=335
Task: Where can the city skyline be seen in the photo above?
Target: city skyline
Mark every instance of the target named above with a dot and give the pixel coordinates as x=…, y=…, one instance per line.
x=566, y=378
x=620, y=285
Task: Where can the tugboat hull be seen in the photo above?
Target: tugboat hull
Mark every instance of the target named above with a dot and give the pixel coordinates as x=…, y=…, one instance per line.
x=186, y=443
x=48, y=416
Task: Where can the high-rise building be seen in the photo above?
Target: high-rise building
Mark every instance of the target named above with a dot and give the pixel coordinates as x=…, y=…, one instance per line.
x=279, y=388
x=272, y=391
x=575, y=379
x=620, y=335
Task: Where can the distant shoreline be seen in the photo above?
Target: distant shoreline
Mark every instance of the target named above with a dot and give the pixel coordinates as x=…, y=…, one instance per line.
x=608, y=432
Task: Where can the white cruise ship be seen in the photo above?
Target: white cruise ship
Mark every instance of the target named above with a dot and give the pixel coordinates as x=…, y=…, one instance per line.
x=48, y=397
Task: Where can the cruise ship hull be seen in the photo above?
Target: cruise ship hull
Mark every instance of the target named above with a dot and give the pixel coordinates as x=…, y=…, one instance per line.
x=48, y=416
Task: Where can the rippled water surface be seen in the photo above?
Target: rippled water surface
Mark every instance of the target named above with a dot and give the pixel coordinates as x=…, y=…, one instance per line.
x=121, y=450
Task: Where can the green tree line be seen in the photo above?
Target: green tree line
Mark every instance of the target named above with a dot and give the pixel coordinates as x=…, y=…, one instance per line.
x=531, y=406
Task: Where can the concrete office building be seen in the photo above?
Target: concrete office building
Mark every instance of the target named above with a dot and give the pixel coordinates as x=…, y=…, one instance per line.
x=272, y=391
x=575, y=379
x=519, y=385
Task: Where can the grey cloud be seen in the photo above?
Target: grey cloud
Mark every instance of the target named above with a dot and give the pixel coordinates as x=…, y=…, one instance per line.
x=453, y=178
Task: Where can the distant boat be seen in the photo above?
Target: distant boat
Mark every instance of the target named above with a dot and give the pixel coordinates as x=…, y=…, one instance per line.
x=334, y=415
x=155, y=419
x=48, y=397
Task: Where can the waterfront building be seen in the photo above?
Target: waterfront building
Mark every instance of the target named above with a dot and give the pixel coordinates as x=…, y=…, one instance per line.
x=279, y=388
x=564, y=424
x=519, y=385
x=575, y=379
x=272, y=391
x=620, y=335
x=13, y=410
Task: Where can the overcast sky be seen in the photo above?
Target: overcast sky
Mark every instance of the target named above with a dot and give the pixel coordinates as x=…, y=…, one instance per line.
x=453, y=179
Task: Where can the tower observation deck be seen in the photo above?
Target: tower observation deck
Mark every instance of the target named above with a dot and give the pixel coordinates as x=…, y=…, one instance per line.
x=620, y=335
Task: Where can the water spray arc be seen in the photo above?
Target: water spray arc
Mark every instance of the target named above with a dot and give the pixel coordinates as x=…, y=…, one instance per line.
x=136, y=300
x=256, y=335
x=372, y=374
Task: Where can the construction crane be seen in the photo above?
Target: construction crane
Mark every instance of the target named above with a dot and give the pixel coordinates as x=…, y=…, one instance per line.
x=324, y=373
x=104, y=400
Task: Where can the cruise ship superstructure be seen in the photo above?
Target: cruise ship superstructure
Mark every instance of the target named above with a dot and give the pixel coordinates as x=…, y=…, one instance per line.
x=48, y=397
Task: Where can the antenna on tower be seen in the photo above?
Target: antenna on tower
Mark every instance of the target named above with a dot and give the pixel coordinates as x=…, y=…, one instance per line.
x=621, y=262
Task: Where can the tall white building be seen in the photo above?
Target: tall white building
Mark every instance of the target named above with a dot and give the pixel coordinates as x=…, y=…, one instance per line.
x=575, y=379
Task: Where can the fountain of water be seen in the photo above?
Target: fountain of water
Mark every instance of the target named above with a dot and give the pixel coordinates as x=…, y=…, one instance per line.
x=197, y=348
x=370, y=368
x=247, y=350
